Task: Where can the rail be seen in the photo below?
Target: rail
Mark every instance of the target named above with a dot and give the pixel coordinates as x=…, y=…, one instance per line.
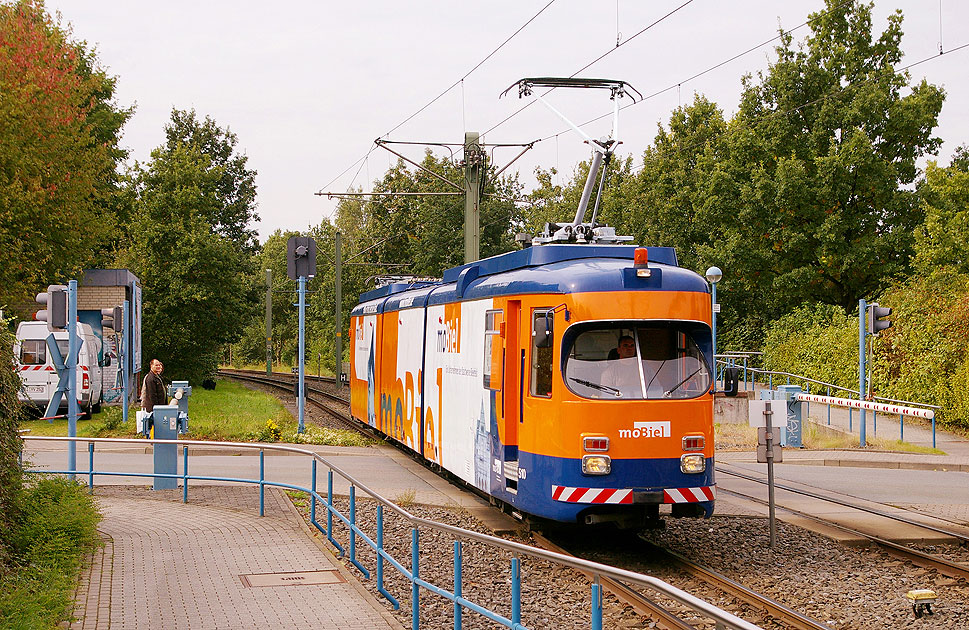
x=722, y=618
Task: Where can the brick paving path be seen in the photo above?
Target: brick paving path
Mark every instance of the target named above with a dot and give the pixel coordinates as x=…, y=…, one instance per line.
x=167, y=565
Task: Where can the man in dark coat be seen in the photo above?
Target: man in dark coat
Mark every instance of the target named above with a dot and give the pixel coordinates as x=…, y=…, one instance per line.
x=153, y=390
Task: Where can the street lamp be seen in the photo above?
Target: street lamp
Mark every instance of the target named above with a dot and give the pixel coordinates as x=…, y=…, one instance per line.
x=714, y=275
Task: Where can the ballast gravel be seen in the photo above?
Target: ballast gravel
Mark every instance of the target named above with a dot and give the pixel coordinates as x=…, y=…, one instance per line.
x=842, y=587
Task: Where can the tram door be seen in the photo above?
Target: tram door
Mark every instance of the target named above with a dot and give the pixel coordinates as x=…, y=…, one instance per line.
x=511, y=394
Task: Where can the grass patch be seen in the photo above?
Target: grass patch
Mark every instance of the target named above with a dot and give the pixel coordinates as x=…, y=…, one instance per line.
x=53, y=532
x=229, y=413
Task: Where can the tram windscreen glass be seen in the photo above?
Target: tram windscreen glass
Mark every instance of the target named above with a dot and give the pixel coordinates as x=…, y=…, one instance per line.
x=636, y=362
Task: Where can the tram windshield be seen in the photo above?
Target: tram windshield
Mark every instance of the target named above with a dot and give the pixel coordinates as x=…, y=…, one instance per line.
x=645, y=361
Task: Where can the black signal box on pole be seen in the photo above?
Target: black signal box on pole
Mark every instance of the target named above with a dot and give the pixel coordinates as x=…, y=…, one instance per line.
x=300, y=257
x=878, y=318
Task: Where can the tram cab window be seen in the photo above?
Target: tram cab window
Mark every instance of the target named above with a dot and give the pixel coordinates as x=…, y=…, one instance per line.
x=637, y=361
x=542, y=335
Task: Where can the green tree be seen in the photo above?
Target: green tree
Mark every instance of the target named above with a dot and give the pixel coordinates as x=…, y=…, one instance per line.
x=59, y=133
x=811, y=199
x=194, y=266
x=943, y=239
x=10, y=444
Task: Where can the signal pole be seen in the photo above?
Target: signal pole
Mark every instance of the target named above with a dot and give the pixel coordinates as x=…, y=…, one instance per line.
x=269, y=322
x=474, y=158
x=73, y=348
x=338, y=297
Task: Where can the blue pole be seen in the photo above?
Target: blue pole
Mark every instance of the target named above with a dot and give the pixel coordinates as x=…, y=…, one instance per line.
x=353, y=523
x=302, y=349
x=123, y=359
x=262, y=482
x=380, y=548
x=457, y=584
x=596, y=605
x=184, y=474
x=516, y=591
x=713, y=321
x=72, y=351
x=415, y=592
x=862, y=333
x=90, y=466
x=313, y=495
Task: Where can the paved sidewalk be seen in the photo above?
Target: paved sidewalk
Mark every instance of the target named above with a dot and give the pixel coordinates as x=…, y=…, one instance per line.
x=167, y=565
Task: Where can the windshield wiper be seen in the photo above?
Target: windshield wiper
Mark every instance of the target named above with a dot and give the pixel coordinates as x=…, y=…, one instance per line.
x=602, y=388
x=670, y=391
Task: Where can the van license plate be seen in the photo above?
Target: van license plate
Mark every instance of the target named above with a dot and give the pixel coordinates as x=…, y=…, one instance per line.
x=35, y=389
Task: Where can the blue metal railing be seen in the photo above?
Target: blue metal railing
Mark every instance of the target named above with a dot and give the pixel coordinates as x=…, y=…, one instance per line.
x=750, y=382
x=722, y=618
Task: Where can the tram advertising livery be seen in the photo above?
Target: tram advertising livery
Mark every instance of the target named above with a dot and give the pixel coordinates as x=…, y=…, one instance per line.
x=570, y=380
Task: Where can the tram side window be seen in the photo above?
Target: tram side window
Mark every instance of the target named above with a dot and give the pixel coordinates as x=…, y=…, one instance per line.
x=542, y=335
x=33, y=352
x=492, y=350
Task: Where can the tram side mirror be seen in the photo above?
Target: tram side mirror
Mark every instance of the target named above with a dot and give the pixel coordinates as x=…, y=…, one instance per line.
x=542, y=332
x=731, y=379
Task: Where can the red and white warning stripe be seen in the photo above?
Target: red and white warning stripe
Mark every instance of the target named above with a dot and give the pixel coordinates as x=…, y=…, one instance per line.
x=623, y=496
x=689, y=495
x=591, y=495
x=918, y=412
x=36, y=368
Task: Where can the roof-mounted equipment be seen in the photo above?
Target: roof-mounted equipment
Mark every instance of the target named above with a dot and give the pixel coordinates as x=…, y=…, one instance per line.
x=603, y=148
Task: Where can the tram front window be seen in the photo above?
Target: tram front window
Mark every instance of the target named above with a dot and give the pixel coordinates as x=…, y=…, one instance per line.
x=636, y=362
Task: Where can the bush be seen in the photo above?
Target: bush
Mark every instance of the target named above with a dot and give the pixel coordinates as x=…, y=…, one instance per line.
x=819, y=341
x=923, y=356
x=54, y=530
x=10, y=443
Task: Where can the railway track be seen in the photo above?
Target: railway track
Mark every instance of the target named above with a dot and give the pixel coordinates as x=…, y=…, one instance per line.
x=335, y=406
x=669, y=620
x=903, y=552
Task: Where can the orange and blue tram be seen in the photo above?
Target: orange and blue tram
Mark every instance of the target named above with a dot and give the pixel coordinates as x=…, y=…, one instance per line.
x=570, y=382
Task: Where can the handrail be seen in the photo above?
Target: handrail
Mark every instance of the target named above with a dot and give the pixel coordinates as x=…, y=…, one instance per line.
x=722, y=617
x=832, y=385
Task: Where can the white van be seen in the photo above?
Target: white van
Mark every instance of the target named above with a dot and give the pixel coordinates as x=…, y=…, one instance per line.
x=37, y=371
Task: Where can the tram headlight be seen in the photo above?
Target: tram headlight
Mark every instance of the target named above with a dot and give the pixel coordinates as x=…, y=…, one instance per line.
x=596, y=465
x=693, y=463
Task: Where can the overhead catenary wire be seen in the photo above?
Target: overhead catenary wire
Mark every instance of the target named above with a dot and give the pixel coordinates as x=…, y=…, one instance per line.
x=439, y=96
x=679, y=83
x=469, y=72
x=820, y=99
x=594, y=61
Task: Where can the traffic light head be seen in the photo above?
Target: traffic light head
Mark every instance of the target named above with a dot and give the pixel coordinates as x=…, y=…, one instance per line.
x=300, y=257
x=112, y=318
x=878, y=318
x=55, y=312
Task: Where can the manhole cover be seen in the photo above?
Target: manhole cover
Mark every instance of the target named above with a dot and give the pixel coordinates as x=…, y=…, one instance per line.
x=297, y=578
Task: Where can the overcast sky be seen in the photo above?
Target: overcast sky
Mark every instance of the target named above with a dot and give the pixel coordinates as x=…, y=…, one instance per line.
x=307, y=86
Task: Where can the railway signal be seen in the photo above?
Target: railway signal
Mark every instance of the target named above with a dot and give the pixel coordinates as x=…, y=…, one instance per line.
x=112, y=318
x=55, y=313
x=878, y=318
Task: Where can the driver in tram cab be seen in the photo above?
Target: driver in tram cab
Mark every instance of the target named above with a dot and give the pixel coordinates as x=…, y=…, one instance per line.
x=622, y=374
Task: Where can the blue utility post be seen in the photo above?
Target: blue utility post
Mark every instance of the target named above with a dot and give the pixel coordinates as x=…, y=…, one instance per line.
x=73, y=348
x=862, y=335
x=300, y=265
x=302, y=350
x=123, y=351
x=713, y=276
